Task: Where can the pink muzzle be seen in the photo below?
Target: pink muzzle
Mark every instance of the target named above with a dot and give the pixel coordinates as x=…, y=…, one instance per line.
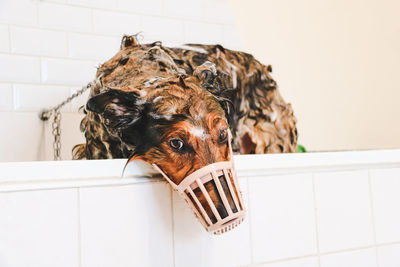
x=225, y=209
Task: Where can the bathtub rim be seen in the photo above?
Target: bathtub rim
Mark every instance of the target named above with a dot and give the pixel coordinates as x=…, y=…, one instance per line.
x=15, y=176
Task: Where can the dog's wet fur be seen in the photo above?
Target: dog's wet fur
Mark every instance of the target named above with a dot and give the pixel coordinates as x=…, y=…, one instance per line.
x=174, y=107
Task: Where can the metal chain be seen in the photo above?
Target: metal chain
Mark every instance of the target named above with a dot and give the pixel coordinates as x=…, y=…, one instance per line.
x=57, y=135
x=56, y=124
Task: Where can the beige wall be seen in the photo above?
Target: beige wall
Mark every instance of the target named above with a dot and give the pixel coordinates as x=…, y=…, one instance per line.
x=337, y=62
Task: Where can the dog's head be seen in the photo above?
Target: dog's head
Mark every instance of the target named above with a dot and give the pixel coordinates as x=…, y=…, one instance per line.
x=174, y=120
x=161, y=114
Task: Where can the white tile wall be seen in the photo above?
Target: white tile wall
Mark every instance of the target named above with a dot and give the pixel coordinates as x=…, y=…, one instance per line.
x=191, y=242
x=163, y=29
x=137, y=225
x=94, y=47
x=343, y=210
x=308, y=262
x=389, y=256
x=385, y=185
x=38, y=42
x=6, y=97
x=80, y=101
x=115, y=23
x=19, y=68
x=364, y=258
x=39, y=229
x=179, y=9
x=67, y=71
x=126, y=226
x=4, y=37
x=61, y=42
x=216, y=12
x=18, y=12
x=282, y=217
x=70, y=135
x=106, y=4
x=149, y=7
x=197, y=32
x=45, y=95
x=62, y=17
x=24, y=138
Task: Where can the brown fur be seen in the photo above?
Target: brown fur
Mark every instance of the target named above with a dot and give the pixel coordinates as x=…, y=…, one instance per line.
x=147, y=95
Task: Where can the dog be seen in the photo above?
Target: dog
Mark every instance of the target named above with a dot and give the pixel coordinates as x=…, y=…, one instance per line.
x=175, y=107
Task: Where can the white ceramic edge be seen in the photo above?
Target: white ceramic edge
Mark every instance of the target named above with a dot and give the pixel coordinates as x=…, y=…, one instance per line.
x=16, y=176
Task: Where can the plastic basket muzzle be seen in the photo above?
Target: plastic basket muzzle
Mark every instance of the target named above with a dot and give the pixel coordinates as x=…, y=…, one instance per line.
x=222, y=212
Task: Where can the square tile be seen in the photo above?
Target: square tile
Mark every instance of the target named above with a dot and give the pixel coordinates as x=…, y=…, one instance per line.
x=16, y=144
x=359, y=258
x=4, y=44
x=115, y=23
x=389, y=256
x=218, y=12
x=67, y=71
x=385, y=185
x=6, y=97
x=150, y=7
x=20, y=12
x=308, y=262
x=38, y=42
x=193, y=242
x=203, y=33
x=105, y=4
x=19, y=68
x=38, y=97
x=126, y=226
x=39, y=228
x=162, y=29
x=193, y=10
x=99, y=48
x=282, y=217
x=343, y=210
x=63, y=17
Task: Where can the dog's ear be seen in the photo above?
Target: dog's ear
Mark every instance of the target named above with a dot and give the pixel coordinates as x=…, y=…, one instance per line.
x=119, y=109
x=128, y=41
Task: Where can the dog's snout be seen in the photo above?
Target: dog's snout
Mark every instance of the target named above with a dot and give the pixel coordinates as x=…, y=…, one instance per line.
x=216, y=198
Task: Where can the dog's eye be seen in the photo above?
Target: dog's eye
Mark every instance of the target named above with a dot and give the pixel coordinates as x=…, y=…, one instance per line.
x=223, y=136
x=176, y=144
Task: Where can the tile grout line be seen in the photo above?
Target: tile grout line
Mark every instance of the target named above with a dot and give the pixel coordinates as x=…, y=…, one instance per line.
x=68, y=44
x=79, y=227
x=373, y=216
x=9, y=38
x=92, y=32
x=40, y=69
x=250, y=228
x=91, y=20
x=121, y=11
x=321, y=254
x=37, y=13
x=15, y=98
x=279, y=260
x=50, y=57
x=316, y=218
x=43, y=28
x=172, y=225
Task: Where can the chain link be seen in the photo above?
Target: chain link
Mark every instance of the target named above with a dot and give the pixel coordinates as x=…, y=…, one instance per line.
x=56, y=124
x=57, y=135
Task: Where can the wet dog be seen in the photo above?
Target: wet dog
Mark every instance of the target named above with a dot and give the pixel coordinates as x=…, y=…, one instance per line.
x=174, y=106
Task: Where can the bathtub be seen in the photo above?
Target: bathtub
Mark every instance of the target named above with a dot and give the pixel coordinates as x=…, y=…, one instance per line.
x=313, y=209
